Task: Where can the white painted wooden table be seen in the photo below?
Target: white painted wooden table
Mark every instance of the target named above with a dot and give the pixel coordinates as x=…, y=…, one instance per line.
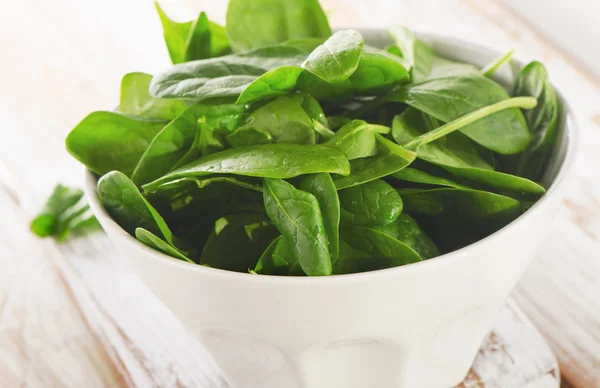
x=71, y=318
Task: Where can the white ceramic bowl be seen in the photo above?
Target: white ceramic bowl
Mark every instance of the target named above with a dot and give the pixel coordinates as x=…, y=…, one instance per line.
x=414, y=326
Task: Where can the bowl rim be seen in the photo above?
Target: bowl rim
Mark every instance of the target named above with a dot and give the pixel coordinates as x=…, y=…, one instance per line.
x=558, y=185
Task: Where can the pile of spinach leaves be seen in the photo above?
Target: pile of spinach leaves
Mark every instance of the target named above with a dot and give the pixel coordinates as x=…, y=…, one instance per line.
x=275, y=147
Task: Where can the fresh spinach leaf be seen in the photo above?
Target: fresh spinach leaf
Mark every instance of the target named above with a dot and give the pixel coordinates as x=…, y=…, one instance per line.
x=414, y=175
x=277, y=259
x=366, y=249
x=374, y=203
x=376, y=72
x=424, y=64
x=298, y=217
x=390, y=159
x=417, y=53
x=137, y=101
x=61, y=199
x=182, y=134
x=65, y=213
x=107, y=141
x=336, y=59
x=322, y=187
x=406, y=229
x=458, y=217
x=124, y=202
x=543, y=120
x=357, y=139
x=198, y=39
x=237, y=241
x=155, y=242
x=450, y=98
x=267, y=161
x=455, y=153
x=284, y=119
x=222, y=77
x=252, y=24
x=276, y=82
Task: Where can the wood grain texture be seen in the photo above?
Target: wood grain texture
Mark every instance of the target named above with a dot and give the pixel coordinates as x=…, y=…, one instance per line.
x=66, y=59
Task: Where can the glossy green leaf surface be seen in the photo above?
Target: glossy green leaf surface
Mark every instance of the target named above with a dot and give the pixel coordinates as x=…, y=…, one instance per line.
x=298, y=217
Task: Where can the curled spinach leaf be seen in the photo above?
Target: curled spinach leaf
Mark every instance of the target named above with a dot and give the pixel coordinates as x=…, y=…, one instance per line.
x=543, y=120
x=124, y=202
x=155, y=242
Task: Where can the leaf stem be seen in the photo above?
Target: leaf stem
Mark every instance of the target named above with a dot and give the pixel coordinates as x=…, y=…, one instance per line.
x=497, y=63
x=322, y=130
x=515, y=102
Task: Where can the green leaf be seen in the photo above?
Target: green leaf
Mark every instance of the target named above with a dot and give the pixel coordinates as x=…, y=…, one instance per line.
x=337, y=58
x=124, y=202
x=410, y=174
x=61, y=200
x=448, y=99
x=366, y=249
x=390, y=159
x=176, y=139
x=374, y=203
x=543, y=120
x=225, y=76
x=284, y=119
x=155, y=242
x=107, y=141
x=405, y=229
x=273, y=83
x=376, y=72
x=188, y=41
x=137, y=101
x=357, y=139
x=258, y=23
x=455, y=153
x=322, y=187
x=417, y=53
x=237, y=241
x=298, y=217
x=421, y=58
x=277, y=259
x=200, y=183
x=266, y=161
x=458, y=217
